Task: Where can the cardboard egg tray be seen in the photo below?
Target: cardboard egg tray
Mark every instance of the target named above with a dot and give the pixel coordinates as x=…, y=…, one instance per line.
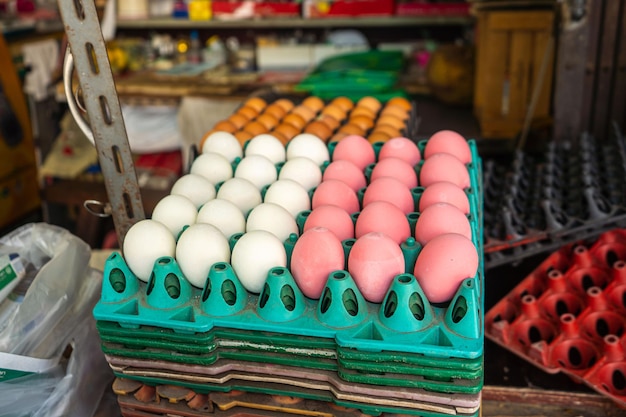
x=569, y=315
x=165, y=399
x=427, y=348
x=322, y=385
x=538, y=203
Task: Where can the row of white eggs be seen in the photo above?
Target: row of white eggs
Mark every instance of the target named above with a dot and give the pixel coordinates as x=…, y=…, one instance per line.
x=195, y=221
x=199, y=247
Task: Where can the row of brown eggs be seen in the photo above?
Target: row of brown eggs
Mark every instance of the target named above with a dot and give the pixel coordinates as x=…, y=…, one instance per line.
x=330, y=121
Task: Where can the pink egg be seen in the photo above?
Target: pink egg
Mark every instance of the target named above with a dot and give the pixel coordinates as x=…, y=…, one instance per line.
x=374, y=261
x=356, y=149
x=316, y=254
x=392, y=191
x=338, y=193
x=444, y=192
x=444, y=167
x=332, y=217
x=383, y=217
x=346, y=171
x=395, y=168
x=439, y=219
x=448, y=141
x=402, y=148
x=443, y=264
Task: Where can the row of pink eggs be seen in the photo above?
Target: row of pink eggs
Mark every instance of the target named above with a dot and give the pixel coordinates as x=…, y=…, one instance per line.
x=216, y=216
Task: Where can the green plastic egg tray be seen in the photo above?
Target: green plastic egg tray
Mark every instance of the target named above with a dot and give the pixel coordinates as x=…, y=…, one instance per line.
x=454, y=375
x=438, y=338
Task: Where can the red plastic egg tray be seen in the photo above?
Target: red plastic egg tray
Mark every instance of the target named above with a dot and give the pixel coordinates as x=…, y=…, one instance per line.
x=569, y=315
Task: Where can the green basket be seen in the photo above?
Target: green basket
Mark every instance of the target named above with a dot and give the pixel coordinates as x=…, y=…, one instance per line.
x=356, y=75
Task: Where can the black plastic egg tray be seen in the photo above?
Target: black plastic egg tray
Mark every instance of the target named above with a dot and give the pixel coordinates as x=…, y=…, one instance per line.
x=569, y=315
x=537, y=203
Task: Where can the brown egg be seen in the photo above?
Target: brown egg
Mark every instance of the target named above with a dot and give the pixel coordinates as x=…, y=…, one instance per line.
x=352, y=129
x=363, y=111
x=330, y=121
x=388, y=129
x=238, y=120
x=306, y=113
x=344, y=102
x=287, y=130
x=247, y=112
x=335, y=111
x=319, y=129
x=303, y=111
x=369, y=102
x=400, y=102
x=295, y=120
x=225, y=126
x=378, y=137
x=391, y=121
x=255, y=128
x=363, y=122
x=243, y=136
x=257, y=103
x=285, y=104
x=337, y=137
x=275, y=110
x=395, y=111
x=267, y=120
x=282, y=138
x=314, y=103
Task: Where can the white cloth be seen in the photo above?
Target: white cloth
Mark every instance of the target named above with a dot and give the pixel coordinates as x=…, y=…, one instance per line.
x=152, y=129
x=42, y=57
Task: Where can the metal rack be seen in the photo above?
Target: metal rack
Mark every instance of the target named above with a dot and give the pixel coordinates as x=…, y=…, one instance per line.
x=87, y=55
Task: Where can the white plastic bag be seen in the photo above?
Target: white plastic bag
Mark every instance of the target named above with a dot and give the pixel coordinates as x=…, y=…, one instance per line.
x=52, y=315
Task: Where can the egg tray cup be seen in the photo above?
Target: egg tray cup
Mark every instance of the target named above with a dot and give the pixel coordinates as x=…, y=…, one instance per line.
x=320, y=380
x=248, y=346
x=535, y=205
x=569, y=315
x=140, y=400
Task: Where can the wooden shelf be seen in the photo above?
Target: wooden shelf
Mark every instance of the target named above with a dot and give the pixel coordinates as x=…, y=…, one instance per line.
x=296, y=23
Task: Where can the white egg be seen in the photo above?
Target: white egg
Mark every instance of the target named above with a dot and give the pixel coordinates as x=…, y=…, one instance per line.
x=272, y=218
x=303, y=171
x=224, y=215
x=257, y=169
x=212, y=166
x=144, y=243
x=268, y=146
x=223, y=143
x=290, y=195
x=195, y=187
x=240, y=192
x=254, y=254
x=198, y=248
x=175, y=212
x=308, y=146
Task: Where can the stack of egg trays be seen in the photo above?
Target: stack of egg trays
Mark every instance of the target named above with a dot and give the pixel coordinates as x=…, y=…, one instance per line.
x=426, y=352
x=536, y=204
x=140, y=400
x=569, y=315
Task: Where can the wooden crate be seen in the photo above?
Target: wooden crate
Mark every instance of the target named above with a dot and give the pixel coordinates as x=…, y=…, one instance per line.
x=511, y=48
